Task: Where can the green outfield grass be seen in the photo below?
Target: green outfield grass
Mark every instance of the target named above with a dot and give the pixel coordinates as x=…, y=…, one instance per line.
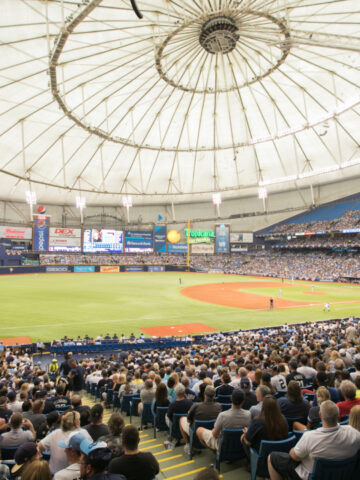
x=49, y=306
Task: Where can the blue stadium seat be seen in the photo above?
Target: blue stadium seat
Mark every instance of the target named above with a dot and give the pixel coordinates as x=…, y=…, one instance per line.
x=194, y=441
x=146, y=414
x=116, y=401
x=125, y=402
x=258, y=460
x=225, y=406
x=134, y=403
x=230, y=447
x=174, y=430
x=159, y=414
x=339, y=469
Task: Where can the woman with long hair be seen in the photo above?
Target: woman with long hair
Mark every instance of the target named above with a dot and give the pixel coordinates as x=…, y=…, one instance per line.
x=354, y=418
x=161, y=396
x=37, y=470
x=293, y=405
x=270, y=425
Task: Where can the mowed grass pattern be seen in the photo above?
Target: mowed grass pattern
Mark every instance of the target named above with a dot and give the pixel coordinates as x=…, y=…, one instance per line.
x=49, y=306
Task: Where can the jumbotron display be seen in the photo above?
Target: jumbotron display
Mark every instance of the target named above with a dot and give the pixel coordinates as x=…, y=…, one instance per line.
x=103, y=241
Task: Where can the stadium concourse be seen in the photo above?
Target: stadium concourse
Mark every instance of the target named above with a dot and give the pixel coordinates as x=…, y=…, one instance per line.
x=236, y=382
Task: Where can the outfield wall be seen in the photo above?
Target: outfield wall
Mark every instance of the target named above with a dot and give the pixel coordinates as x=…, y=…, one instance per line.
x=14, y=270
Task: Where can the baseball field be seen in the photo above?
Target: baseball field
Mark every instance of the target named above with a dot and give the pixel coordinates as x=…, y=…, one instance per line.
x=49, y=306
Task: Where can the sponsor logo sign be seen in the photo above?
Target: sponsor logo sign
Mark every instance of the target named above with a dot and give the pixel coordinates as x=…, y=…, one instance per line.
x=203, y=248
x=84, y=269
x=111, y=269
x=222, y=239
x=41, y=232
x=199, y=233
x=177, y=247
x=51, y=269
x=156, y=268
x=241, y=237
x=134, y=268
x=160, y=238
x=22, y=233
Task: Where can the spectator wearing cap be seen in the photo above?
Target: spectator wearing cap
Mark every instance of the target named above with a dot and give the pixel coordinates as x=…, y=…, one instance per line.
x=96, y=427
x=234, y=418
x=250, y=397
x=134, y=464
x=5, y=412
x=180, y=405
x=17, y=436
x=24, y=455
x=95, y=458
x=73, y=454
x=70, y=423
x=206, y=410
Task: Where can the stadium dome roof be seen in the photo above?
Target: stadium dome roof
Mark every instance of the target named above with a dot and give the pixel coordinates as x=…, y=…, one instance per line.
x=196, y=97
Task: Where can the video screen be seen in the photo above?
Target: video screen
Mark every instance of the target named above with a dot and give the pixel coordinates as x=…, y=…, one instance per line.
x=103, y=241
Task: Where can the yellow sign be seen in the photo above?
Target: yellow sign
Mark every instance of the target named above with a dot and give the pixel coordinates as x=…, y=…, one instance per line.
x=173, y=236
x=109, y=269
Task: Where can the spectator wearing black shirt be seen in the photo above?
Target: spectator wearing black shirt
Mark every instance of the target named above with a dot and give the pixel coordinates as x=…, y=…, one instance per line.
x=225, y=388
x=250, y=397
x=5, y=412
x=76, y=376
x=181, y=404
x=134, y=464
x=96, y=428
x=294, y=375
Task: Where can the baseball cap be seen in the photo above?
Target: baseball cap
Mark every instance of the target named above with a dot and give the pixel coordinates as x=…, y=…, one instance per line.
x=88, y=447
x=73, y=442
x=23, y=454
x=237, y=396
x=245, y=384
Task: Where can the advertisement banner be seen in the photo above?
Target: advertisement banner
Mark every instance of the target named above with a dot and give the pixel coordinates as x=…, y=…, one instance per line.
x=222, y=238
x=65, y=239
x=202, y=248
x=236, y=237
x=21, y=233
x=156, y=268
x=177, y=248
x=238, y=247
x=160, y=238
x=109, y=269
x=134, y=268
x=137, y=241
x=41, y=232
x=61, y=269
x=84, y=269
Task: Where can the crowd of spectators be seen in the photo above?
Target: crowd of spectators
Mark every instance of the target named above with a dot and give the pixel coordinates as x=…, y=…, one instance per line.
x=112, y=259
x=312, y=265
x=305, y=266
x=316, y=242
x=349, y=220
x=270, y=376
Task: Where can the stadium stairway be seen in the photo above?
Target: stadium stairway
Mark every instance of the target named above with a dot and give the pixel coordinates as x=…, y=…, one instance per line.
x=174, y=463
